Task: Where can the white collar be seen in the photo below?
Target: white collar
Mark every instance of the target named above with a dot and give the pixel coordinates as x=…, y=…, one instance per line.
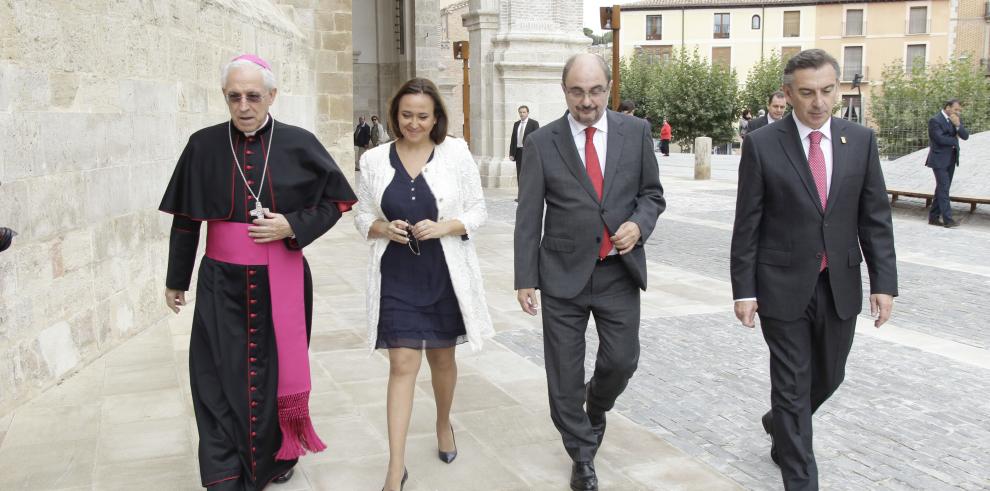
x=252, y=133
x=804, y=131
x=946, y=116
x=600, y=125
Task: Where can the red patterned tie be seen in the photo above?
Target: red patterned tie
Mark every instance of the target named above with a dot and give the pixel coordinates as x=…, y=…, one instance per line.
x=816, y=160
x=594, y=169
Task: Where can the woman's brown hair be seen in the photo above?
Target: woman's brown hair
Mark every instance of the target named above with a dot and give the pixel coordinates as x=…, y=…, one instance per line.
x=420, y=86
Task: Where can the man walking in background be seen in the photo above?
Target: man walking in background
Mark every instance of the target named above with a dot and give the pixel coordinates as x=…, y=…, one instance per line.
x=944, y=131
x=520, y=131
x=776, y=105
x=378, y=133
x=811, y=205
x=362, y=139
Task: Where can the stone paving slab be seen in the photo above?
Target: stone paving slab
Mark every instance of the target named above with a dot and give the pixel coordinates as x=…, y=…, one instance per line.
x=125, y=422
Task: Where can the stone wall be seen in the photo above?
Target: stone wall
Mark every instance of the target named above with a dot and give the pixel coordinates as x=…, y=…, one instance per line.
x=97, y=99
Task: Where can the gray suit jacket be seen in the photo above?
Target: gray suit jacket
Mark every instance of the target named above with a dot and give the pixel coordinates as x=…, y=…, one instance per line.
x=556, y=251
x=780, y=228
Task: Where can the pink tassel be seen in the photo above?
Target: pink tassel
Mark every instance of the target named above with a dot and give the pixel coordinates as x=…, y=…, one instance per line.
x=298, y=434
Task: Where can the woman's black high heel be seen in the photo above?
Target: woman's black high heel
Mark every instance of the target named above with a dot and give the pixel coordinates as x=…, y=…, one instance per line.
x=448, y=457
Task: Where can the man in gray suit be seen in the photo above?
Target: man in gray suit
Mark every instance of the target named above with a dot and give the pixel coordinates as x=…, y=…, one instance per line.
x=595, y=175
x=811, y=206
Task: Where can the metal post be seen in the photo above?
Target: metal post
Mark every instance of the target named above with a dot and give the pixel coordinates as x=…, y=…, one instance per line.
x=611, y=19
x=462, y=51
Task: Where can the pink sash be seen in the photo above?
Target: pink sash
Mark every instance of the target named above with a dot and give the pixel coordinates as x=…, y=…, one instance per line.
x=229, y=242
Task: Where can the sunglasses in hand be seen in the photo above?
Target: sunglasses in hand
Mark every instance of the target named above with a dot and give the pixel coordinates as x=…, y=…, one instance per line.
x=413, y=241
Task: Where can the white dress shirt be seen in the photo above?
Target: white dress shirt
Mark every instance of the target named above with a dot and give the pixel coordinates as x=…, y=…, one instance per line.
x=826, y=145
x=521, y=132
x=600, y=139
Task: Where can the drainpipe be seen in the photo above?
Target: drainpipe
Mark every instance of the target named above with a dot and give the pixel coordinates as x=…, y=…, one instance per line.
x=763, y=25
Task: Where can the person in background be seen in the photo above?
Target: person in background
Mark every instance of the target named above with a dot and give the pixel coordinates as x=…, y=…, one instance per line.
x=744, y=123
x=945, y=129
x=627, y=107
x=666, y=132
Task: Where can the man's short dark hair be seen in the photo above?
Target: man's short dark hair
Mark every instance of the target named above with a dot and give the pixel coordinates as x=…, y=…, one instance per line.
x=776, y=95
x=627, y=105
x=523, y=107
x=420, y=86
x=950, y=102
x=809, y=58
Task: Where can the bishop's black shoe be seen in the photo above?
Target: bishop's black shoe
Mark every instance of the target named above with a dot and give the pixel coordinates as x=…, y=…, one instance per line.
x=935, y=221
x=284, y=478
x=583, y=477
x=768, y=427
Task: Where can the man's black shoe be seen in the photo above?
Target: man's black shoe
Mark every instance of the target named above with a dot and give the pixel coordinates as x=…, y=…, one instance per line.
x=951, y=224
x=284, y=478
x=768, y=427
x=583, y=477
x=935, y=221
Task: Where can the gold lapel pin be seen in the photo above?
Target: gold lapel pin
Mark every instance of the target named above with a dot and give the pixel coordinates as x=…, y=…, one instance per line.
x=842, y=139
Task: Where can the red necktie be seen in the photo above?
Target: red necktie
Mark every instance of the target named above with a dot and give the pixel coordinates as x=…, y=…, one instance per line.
x=594, y=169
x=816, y=160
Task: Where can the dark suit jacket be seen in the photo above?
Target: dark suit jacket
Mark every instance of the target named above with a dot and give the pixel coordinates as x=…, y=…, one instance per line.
x=531, y=126
x=757, y=123
x=943, y=149
x=362, y=135
x=556, y=252
x=780, y=228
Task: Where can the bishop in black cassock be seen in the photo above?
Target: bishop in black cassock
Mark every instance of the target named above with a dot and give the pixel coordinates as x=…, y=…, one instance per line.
x=253, y=421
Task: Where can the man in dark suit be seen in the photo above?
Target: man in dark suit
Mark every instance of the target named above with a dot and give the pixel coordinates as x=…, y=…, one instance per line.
x=811, y=197
x=519, y=136
x=776, y=105
x=944, y=131
x=362, y=139
x=595, y=174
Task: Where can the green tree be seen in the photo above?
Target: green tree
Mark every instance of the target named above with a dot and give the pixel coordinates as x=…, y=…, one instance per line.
x=763, y=79
x=697, y=97
x=596, y=39
x=901, y=112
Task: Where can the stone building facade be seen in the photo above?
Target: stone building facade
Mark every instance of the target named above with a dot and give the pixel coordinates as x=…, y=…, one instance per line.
x=93, y=120
x=518, y=49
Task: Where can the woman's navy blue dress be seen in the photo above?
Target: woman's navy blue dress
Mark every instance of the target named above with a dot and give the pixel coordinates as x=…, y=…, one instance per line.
x=418, y=306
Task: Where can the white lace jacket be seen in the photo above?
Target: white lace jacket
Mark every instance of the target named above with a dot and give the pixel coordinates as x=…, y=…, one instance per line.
x=455, y=183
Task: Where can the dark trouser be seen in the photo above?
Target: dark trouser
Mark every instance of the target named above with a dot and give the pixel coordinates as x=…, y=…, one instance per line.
x=517, y=156
x=613, y=298
x=940, y=205
x=807, y=363
x=665, y=147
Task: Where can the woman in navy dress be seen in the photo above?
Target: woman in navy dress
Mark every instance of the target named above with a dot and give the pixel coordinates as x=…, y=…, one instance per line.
x=419, y=202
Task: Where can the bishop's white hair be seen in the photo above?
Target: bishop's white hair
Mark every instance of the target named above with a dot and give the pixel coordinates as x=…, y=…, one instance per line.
x=266, y=75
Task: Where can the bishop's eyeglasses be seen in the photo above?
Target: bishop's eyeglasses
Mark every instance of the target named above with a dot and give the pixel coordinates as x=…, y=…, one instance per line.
x=236, y=98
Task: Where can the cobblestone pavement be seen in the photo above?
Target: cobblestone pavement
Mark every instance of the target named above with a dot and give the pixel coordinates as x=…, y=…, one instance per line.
x=904, y=418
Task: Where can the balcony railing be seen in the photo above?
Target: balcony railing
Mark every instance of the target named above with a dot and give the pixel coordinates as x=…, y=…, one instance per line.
x=850, y=71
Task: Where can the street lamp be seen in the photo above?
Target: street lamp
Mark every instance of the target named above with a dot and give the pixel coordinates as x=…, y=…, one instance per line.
x=610, y=18
x=462, y=51
x=859, y=94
